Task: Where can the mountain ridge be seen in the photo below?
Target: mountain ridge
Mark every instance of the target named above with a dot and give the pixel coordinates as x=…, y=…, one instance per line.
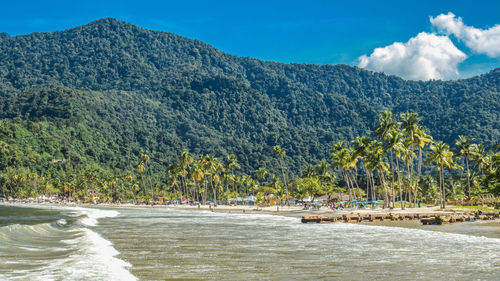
x=190, y=95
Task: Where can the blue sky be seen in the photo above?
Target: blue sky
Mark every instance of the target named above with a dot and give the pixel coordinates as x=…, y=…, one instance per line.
x=320, y=32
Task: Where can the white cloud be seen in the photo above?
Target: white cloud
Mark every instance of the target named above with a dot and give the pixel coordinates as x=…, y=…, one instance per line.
x=424, y=57
x=478, y=40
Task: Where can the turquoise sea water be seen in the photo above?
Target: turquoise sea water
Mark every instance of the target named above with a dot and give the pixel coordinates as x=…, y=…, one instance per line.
x=162, y=244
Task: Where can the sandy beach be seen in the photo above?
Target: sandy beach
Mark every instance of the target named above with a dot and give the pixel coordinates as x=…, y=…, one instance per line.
x=294, y=210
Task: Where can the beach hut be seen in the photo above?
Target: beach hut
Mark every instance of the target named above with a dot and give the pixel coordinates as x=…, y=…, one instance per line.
x=323, y=198
x=250, y=198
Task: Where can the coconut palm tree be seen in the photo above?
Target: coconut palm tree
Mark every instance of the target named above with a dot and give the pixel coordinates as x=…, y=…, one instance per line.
x=395, y=146
x=261, y=175
x=482, y=158
x=421, y=139
x=129, y=178
x=464, y=148
x=375, y=161
x=409, y=123
x=308, y=171
x=324, y=174
x=232, y=164
x=185, y=161
x=212, y=167
x=385, y=125
x=360, y=146
x=197, y=175
x=341, y=156
x=408, y=155
x=279, y=153
x=450, y=165
x=441, y=155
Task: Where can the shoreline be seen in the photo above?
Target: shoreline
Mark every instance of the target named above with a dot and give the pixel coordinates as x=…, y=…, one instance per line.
x=290, y=211
x=477, y=228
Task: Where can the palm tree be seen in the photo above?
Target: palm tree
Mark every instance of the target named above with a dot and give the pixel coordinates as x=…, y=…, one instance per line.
x=308, y=171
x=464, y=148
x=324, y=174
x=129, y=179
x=452, y=164
x=360, y=146
x=218, y=170
x=395, y=146
x=280, y=153
x=409, y=123
x=232, y=163
x=212, y=167
x=261, y=175
x=197, y=175
x=407, y=155
x=140, y=169
x=375, y=161
x=342, y=157
x=385, y=125
x=185, y=161
x=277, y=188
x=421, y=139
x=441, y=155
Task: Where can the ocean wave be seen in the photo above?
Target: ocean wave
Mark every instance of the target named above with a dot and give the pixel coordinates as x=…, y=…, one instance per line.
x=93, y=215
x=64, y=249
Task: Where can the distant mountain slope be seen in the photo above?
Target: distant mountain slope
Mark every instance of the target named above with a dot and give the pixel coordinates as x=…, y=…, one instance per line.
x=112, y=88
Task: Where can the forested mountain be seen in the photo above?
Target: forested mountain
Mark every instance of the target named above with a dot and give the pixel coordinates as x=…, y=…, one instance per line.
x=102, y=92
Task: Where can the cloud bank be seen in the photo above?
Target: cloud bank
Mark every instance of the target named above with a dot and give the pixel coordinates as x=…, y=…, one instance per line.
x=433, y=56
x=424, y=57
x=478, y=40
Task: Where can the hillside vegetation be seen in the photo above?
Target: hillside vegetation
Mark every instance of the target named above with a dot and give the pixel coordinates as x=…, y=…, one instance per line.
x=99, y=94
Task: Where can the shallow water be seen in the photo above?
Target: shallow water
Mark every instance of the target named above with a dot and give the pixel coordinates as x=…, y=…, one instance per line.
x=57, y=244
x=172, y=244
x=159, y=244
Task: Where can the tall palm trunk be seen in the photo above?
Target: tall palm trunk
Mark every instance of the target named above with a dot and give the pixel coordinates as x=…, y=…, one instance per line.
x=408, y=191
x=213, y=190
x=133, y=193
x=368, y=182
x=348, y=183
x=452, y=183
x=374, y=195
x=183, y=186
x=204, y=195
x=443, y=189
x=419, y=173
x=284, y=179
x=392, y=179
x=412, y=194
x=468, y=176
x=382, y=182
x=399, y=184
x=355, y=182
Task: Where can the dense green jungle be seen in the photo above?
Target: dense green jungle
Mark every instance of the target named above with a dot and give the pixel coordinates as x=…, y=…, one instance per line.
x=112, y=109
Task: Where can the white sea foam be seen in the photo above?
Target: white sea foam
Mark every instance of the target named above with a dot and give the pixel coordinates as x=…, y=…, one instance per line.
x=95, y=260
x=99, y=253
x=93, y=215
x=84, y=254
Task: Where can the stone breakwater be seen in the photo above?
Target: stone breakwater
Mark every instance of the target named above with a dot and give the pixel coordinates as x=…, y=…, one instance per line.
x=425, y=218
